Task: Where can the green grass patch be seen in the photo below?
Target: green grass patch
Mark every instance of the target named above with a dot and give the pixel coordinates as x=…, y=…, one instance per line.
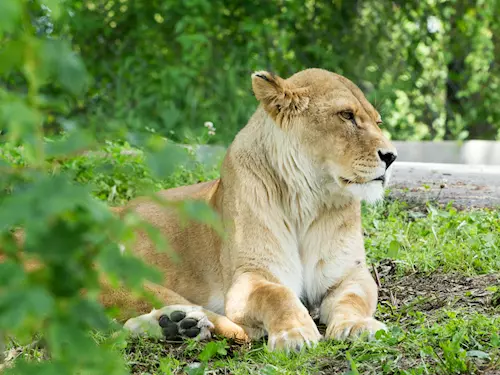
x=428, y=239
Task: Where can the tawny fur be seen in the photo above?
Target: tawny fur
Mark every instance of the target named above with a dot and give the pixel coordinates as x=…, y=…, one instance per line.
x=289, y=198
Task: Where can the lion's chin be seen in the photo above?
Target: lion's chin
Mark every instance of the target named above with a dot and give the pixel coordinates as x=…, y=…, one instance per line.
x=370, y=192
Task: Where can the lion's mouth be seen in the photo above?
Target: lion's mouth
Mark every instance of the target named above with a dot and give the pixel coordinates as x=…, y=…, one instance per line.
x=346, y=181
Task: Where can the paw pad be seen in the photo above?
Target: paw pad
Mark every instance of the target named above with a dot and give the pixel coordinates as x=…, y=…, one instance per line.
x=177, y=316
x=178, y=325
x=172, y=322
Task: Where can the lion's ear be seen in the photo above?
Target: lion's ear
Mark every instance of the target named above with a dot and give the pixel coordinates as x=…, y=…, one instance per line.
x=280, y=99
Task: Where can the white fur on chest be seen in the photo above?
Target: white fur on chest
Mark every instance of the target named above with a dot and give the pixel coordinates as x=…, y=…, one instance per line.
x=326, y=262
x=321, y=260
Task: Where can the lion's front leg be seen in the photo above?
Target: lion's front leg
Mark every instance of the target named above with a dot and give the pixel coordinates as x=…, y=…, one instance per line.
x=258, y=301
x=348, y=309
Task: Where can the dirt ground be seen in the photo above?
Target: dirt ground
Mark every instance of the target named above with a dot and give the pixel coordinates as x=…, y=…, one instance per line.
x=438, y=290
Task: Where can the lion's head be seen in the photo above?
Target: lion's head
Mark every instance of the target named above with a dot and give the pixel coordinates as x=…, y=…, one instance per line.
x=335, y=124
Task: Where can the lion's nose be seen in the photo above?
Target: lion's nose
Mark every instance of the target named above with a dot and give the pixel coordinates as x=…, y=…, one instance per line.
x=387, y=157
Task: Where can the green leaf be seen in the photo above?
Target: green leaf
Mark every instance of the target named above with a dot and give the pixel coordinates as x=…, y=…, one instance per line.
x=495, y=340
x=209, y=156
x=91, y=313
x=131, y=270
x=269, y=370
x=201, y=212
x=74, y=142
x=23, y=367
x=68, y=340
x=11, y=274
x=44, y=198
x=17, y=305
x=54, y=6
x=11, y=56
x=72, y=346
x=195, y=369
x=478, y=354
x=10, y=14
x=65, y=66
x=164, y=161
x=212, y=349
x=20, y=119
x=72, y=74
x=352, y=363
x=168, y=366
x=393, y=250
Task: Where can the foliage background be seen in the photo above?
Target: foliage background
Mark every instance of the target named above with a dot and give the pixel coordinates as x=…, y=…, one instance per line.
x=431, y=67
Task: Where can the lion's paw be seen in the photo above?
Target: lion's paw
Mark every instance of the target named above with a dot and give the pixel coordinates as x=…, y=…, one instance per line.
x=294, y=338
x=354, y=328
x=175, y=322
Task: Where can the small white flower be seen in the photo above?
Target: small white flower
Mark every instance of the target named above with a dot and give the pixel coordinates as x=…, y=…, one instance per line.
x=210, y=132
x=208, y=124
x=434, y=24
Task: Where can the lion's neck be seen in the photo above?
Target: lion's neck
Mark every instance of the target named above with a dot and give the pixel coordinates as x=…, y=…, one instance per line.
x=305, y=190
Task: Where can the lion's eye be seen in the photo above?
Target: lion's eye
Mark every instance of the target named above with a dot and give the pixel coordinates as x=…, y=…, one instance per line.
x=349, y=116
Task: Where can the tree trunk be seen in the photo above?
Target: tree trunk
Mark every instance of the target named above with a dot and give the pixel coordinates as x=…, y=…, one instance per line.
x=453, y=102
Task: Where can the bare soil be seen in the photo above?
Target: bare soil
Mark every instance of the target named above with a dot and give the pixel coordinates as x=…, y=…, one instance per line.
x=438, y=290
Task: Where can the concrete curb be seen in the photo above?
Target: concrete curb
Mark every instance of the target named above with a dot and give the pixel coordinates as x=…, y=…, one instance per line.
x=475, y=152
x=467, y=186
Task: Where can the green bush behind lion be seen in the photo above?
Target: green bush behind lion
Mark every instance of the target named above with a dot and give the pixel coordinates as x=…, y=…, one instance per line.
x=431, y=67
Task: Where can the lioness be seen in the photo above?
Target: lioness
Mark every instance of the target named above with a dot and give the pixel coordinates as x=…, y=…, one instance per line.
x=289, y=197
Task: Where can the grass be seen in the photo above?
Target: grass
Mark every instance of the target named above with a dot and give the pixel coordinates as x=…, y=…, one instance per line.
x=440, y=341
x=439, y=275
x=427, y=239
